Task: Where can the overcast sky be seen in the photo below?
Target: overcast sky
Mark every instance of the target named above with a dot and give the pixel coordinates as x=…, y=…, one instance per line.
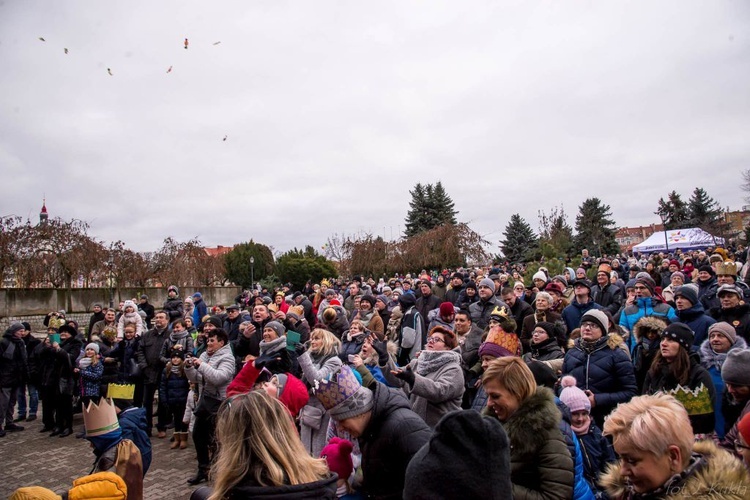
x=333, y=111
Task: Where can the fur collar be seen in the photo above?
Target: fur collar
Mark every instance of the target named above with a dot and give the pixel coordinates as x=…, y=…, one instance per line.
x=431, y=361
x=612, y=340
x=647, y=323
x=528, y=427
x=723, y=477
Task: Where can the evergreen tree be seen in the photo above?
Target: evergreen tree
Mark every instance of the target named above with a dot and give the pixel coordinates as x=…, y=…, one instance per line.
x=297, y=266
x=555, y=232
x=237, y=263
x=705, y=212
x=674, y=212
x=595, y=228
x=430, y=207
x=520, y=241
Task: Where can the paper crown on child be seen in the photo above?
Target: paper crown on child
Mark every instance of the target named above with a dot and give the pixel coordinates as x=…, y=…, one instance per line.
x=504, y=316
x=121, y=391
x=100, y=418
x=342, y=395
x=500, y=343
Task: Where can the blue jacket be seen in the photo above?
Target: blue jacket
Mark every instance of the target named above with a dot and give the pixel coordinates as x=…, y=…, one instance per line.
x=91, y=378
x=174, y=388
x=605, y=370
x=574, y=312
x=698, y=321
x=645, y=306
x=133, y=426
x=199, y=310
x=597, y=454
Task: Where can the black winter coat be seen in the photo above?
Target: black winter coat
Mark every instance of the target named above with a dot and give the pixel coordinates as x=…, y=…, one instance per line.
x=597, y=453
x=606, y=370
x=149, y=354
x=546, y=350
x=32, y=361
x=701, y=416
x=175, y=308
x=173, y=389
x=738, y=317
x=325, y=489
x=13, y=368
x=65, y=360
x=124, y=352
x=392, y=437
x=44, y=357
x=95, y=318
x=521, y=310
x=427, y=304
x=149, y=310
x=610, y=297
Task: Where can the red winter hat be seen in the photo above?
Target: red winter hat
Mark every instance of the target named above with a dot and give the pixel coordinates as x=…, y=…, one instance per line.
x=744, y=428
x=447, y=309
x=334, y=302
x=338, y=455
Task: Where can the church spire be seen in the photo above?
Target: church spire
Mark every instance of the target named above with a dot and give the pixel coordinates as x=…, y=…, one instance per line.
x=43, y=215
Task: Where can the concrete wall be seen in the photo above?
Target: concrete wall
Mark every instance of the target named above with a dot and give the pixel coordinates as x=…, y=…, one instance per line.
x=32, y=304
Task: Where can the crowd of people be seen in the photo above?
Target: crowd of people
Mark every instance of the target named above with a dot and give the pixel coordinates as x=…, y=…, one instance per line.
x=627, y=377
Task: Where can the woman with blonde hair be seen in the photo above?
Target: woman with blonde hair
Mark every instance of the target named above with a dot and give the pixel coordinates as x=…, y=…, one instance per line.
x=318, y=361
x=541, y=465
x=660, y=459
x=261, y=456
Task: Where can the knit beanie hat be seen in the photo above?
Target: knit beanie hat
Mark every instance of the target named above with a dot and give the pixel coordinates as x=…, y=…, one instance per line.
x=543, y=374
x=330, y=292
x=679, y=332
x=727, y=288
x=15, y=327
x=573, y=397
x=688, y=292
x=281, y=379
x=342, y=395
x=734, y=370
x=582, y=282
x=277, y=327
x=554, y=287
x=174, y=289
x=93, y=346
x=561, y=279
x=338, y=455
x=214, y=320
x=597, y=316
x=539, y=275
x=26, y=325
x=406, y=301
x=489, y=284
x=447, y=309
x=547, y=327
x=483, y=470
x=369, y=299
x=708, y=269
x=647, y=281
x=383, y=299
x=499, y=344
x=630, y=285
x=725, y=329
x=743, y=426
x=177, y=353
x=680, y=274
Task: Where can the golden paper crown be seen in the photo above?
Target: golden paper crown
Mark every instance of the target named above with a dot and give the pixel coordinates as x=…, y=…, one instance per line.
x=100, y=419
x=727, y=268
x=121, y=391
x=500, y=311
x=696, y=402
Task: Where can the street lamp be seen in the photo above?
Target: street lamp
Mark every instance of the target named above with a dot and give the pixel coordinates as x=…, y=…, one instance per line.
x=110, y=265
x=664, y=226
x=252, y=272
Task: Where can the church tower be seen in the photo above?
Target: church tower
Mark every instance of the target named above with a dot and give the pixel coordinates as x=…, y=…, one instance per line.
x=43, y=215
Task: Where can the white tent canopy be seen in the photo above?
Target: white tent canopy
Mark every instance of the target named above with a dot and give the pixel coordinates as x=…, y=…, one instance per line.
x=685, y=239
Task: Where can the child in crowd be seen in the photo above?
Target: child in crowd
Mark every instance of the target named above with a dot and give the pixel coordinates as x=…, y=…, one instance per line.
x=173, y=393
x=596, y=451
x=129, y=315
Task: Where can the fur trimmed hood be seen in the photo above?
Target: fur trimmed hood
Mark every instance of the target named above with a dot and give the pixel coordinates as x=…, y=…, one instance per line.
x=527, y=428
x=647, y=323
x=723, y=477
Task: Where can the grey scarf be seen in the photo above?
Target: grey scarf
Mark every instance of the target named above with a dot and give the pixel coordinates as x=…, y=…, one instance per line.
x=432, y=361
x=272, y=347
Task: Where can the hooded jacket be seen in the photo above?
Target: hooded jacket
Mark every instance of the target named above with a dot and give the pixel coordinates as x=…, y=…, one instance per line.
x=721, y=477
x=133, y=426
x=645, y=349
x=604, y=369
x=438, y=384
x=541, y=466
x=392, y=437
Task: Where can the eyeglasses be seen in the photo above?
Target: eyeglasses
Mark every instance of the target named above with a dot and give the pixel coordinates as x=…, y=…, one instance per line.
x=589, y=324
x=435, y=340
x=739, y=446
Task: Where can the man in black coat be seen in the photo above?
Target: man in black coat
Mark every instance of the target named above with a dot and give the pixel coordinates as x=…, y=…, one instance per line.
x=13, y=374
x=32, y=382
x=233, y=321
x=604, y=293
x=427, y=302
x=95, y=318
x=248, y=342
x=173, y=305
x=518, y=307
x=146, y=307
x=457, y=286
x=149, y=361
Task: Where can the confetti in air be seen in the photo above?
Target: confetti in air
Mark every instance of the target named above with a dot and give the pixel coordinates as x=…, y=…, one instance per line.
x=225, y=138
x=110, y=72
x=66, y=50
x=186, y=44
x=217, y=43
x=169, y=70
x=42, y=39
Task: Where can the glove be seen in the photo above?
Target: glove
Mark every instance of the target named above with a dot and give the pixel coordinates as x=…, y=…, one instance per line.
x=382, y=349
x=300, y=348
x=407, y=375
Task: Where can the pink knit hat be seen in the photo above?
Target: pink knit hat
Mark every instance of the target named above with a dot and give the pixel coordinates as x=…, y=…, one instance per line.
x=573, y=397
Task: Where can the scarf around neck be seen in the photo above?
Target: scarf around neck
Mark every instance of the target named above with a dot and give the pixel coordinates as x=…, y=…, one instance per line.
x=273, y=346
x=432, y=361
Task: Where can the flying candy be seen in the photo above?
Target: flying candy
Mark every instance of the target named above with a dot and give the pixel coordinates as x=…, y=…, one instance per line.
x=66, y=50
x=186, y=44
x=169, y=70
x=225, y=138
x=42, y=39
x=110, y=72
x=217, y=43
